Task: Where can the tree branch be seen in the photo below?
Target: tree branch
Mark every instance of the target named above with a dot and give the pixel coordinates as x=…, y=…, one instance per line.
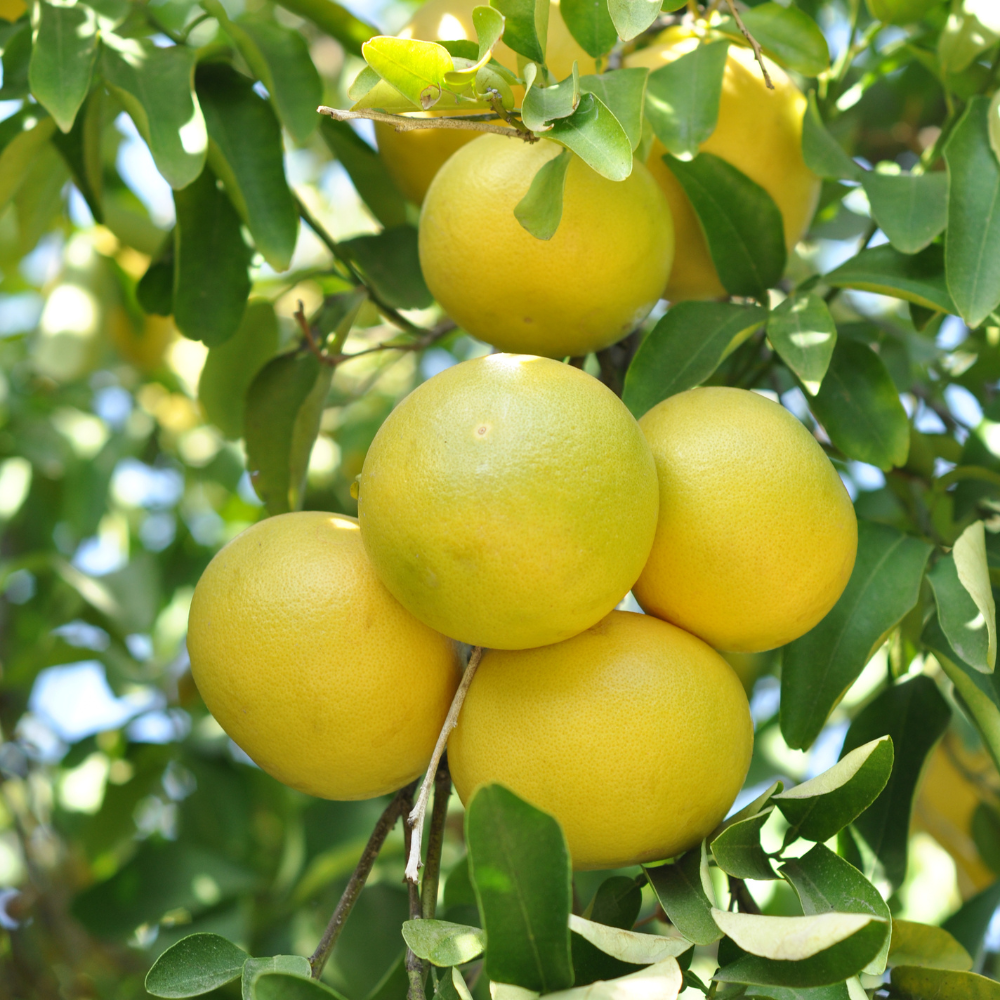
x=414, y=965
x=739, y=891
x=403, y=124
x=752, y=42
x=435, y=841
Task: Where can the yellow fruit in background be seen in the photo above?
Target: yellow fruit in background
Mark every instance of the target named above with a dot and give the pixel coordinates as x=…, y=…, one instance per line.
x=143, y=348
x=509, y=501
x=634, y=734
x=759, y=132
x=756, y=535
x=584, y=289
x=311, y=665
x=413, y=158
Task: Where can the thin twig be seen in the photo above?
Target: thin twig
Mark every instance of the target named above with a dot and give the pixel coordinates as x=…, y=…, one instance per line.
x=309, y=337
x=416, y=817
x=435, y=841
x=414, y=965
x=403, y=124
x=496, y=102
x=429, y=337
x=751, y=40
x=356, y=883
x=739, y=891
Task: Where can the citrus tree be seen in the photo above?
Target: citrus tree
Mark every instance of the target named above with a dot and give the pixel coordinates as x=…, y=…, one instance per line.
x=216, y=285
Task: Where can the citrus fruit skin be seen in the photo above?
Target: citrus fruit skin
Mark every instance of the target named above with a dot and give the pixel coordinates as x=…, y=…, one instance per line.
x=509, y=501
x=413, y=158
x=311, y=665
x=585, y=288
x=634, y=734
x=756, y=535
x=759, y=131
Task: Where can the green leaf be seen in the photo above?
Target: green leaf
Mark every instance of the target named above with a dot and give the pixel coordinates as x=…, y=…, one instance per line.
x=823, y=154
x=283, y=408
x=915, y=715
x=818, y=668
x=540, y=210
x=971, y=562
x=821, y=807
x=964, y=37
x=442, y=943
x=972, y=242
x=526, y=26
x=16, y=63
x=197, y=964
x=451, y=986
x=543, y=105
x=913, y=983
x=662, y=981
x=155, y=289
x=837, y=991
x=231, y=367
x=211, y=282
x=632, y=17
x=623, y=93
x=156, y=86
x=286, y=986
x=859, y=406
x=245, y=151
x=520, y=869
x=684, y=890
x=737, y=850
x=627, y=945
x=883, y=269
x=899, y=11
x=81, y=149
x=826, y=883
x=742, y=225
x=803, y=333
x=751, y=808
x=687, y=344
x=968, y=925
x=616, y=903
x=391, y=264
x=911, y=209
x=789, y=35
x=926, y=946
x=22, y=138
x=590, y=24
x=489, y=25
x=961, y=620
x=994, y=123
x=416, y=69
x=682, y=98
x=335, y=20
x=597, y=137
x=62, y=59
x=254, y=968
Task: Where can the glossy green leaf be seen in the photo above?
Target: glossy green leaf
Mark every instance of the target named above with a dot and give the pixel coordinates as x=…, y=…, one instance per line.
x=826, y=883
x=858, y=405
x=245, y=152
x=803, y=333
x=742, y=224
x=211, y=282
x=682, y=98
x=972, y=242
x=22, y=137
x=156, y=86
x=632, y=17
x=687, y=344
x=543, y=105
x=231, y=367
x=623, y=93
x=597, y=137
x=913, y=983
x=390, y=263
x=81, y=149
x=336, y=20
x=254, y=968
x=916, y=278
x=825, y=156
x=911, y=209
x=684, y=890
x=926, y=946
x=62, y=59
x=526, y=26
x=197, y=964
x=416, y=69
x=821, y=807
x=789, y=35
x=590, y=24
x=443, y=943
x=287, y=986
x=915, y=715
x=818, y=668
x=540, y=210
x=520, y=869
x=737, y=850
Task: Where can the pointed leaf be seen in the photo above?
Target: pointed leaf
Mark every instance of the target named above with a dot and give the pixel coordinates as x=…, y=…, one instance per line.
x=590, y=24
x=627, y=945
x=684, y=890
x=972, y=565
x=540, y=210
x=926, y=946
x=443, y=943
x=742, y=225
x=287, y=986
x=334, y=19
x=823, y=154
x=489, y=25
x=738, y=852
x=542, y=105
x=789, y=35
x=81, y=149
x=687, y=344
x=198, y=963
x=913, y=983
x=632, y=17
x=752, y=808
x=390, y=262
x=803, y=333
x=662, y=981
x=416, y=69
x=911, y=209
x=682, y=98
x=254, y=968
x=526, y=26
x=623, y=93
x=597, y=137
x=818, y=668
x=961, y=621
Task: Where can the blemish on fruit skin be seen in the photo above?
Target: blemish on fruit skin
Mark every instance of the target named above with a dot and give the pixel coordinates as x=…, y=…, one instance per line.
x=482, y=430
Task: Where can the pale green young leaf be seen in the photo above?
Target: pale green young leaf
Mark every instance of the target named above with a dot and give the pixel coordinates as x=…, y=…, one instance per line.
x=682, y=98
x=198, y=963
x=927, y=946
x=883, y=269
x=590, y=24
x=540, y=210
x=803, y=333
x=911, y=209
x=787, y=34
x=818, y=668
x=443, y=943
x=684, y=890
x=416, y=69
x=972, y=565
x=335, y=20
x=623, y=93
x=489, y=25
x=628, y=945
x=526, y=26
x=386, y=98
x=687, y=344
x=900, y=11
x=737, y=849
x=791, y=939
x=633, y=17
x=966, y=34
x=909, y=982
x=254, y=968
x=543, y=105
x=662, y=981
x=363, y=83
x=63, y=54
x=597, y=137
x=825, y=156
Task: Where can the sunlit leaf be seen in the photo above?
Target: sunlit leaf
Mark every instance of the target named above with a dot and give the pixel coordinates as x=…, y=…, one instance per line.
x=803, y=333
x=416, y=69
x=823, y=154
x=597, y=137
x=788, y=35
x=526, y=26
x=442, y=943
x=543, y=105
x=911, y=209
x=623, y=93
x=540, y=210
x=927, y=946
x=627, y=945
x=632, y=17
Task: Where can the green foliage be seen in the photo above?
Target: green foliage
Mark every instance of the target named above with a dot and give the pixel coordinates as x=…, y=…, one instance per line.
x=195, y=965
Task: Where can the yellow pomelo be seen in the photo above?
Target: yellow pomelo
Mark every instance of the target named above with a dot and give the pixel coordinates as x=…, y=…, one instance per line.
x=585, y=288
x=413, y=158
x=759, y=132
x=634, y=734
x=756, y=535
x=509, y=501
x=311, y=665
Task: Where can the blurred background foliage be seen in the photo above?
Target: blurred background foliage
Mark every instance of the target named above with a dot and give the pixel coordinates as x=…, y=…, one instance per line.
x=127, y=818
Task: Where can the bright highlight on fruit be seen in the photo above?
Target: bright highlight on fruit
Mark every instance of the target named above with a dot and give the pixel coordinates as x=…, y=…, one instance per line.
x=509, y=502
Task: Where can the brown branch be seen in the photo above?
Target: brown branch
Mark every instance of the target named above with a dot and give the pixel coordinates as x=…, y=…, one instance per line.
x=493, y=96
x=435, y=841
x=414, y=965
x=403, y=124
x=397, y=807
x=752, y=42
x=739, y=891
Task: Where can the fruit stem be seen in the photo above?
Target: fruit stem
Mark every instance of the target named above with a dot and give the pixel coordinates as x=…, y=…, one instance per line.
x=397, y=807
x=754, y=44
x=435, y=841
x=416, y=817
x=403, y=124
